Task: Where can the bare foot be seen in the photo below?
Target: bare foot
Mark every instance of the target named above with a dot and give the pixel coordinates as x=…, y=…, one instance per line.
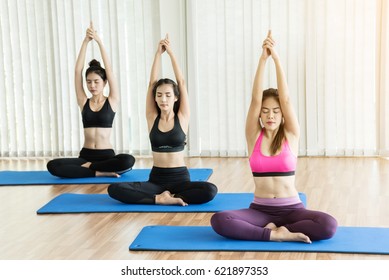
x=283, y=234
x=106, y=174
x=86, y=164
x=166, y=198
x=271, y=226
x=100, y=173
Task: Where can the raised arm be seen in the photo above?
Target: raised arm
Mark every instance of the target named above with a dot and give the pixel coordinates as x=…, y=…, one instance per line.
x=151, y=109
x=114, y=96
x=291, y=125
x=252, y=119
x=184, y=111
x=78, y=80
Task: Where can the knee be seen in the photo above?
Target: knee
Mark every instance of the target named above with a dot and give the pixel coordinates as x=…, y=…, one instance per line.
x=211, y=191
x=218, y=221
x=128, y=159
x=113, y=189
x=49, y=166
x=52, y=167
x=202, y=192
x=215, y=222
x=329, y=227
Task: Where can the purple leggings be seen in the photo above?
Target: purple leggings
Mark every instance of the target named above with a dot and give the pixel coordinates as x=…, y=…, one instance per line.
x=248, y=224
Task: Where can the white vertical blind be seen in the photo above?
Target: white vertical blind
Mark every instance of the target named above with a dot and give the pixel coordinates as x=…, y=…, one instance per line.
x=40, y=41
x=340, y=78
x=325, y=48
x=221, y=80
x=382, y=59
x=334, y=53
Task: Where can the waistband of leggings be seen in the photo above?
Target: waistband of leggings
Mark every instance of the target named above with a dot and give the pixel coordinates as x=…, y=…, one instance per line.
x=168, y=176
x=96, y=154
x=281, y=201
x=169, y=170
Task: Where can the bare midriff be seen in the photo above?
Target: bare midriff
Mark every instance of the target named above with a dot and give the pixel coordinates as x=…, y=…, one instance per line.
x=168, y=160
x=275, y=187
x=97, y=138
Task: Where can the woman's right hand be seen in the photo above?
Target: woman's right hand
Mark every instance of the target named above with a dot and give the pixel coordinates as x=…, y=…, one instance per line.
x=88, y=35
x=164, y=45
x=161, y=47
x=91, y=33
x=267, y=46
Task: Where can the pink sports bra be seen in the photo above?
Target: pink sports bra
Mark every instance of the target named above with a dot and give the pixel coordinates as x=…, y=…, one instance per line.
x=283, y=164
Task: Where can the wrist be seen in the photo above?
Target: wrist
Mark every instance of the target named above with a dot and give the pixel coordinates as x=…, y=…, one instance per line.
x=276, y=59
x=170, y=54
x=86, y=41
x=263, y=59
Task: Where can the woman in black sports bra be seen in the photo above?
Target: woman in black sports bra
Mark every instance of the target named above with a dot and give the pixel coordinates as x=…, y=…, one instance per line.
x=97, y=157
x=167, y=113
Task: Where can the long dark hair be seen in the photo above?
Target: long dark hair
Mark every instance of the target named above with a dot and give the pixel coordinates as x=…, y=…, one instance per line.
x=95, y=67
x=280, y=136
x=176, y=92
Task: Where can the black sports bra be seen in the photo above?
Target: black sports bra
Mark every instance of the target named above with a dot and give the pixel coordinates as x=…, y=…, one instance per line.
x=102, y=118
x=169, y=141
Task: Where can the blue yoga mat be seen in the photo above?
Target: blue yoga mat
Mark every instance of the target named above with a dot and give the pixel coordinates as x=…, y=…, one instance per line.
x=366, y=240
x=11, y=178
x=102, y=203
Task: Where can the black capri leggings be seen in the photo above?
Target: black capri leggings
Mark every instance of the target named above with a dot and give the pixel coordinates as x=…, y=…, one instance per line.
x=175, y=180
x=101, y=160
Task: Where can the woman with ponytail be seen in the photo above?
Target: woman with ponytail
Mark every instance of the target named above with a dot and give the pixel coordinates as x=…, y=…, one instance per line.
x=272, y=135
x=167, y=115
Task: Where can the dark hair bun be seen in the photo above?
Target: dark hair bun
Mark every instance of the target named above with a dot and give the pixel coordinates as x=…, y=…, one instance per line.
x=95, y=67
x=94, y=63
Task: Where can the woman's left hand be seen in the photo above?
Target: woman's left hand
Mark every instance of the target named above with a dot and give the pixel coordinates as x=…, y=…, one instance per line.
x=166, y=44
x=269, y=44
x=92, y=33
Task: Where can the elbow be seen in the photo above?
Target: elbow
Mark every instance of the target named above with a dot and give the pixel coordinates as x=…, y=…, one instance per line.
x=78, y=71
x=152, y=83
x=285, y=99
x=151, y=87
x=181, y=82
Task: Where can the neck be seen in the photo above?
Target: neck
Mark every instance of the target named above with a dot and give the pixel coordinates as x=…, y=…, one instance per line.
x=271, y=134
x=167, y=115
x=97, y=98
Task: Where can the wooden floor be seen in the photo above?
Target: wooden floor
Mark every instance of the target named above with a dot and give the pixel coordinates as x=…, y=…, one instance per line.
x=354, y=190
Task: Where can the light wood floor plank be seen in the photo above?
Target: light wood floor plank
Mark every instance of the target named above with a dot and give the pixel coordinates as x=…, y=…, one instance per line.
x=354, y=190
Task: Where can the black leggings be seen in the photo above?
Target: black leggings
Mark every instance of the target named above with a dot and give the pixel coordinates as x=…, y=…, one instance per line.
x=101, y=160
x=175, y=180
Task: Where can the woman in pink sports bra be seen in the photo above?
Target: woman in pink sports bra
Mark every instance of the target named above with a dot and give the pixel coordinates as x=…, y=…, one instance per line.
x=277, y=213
